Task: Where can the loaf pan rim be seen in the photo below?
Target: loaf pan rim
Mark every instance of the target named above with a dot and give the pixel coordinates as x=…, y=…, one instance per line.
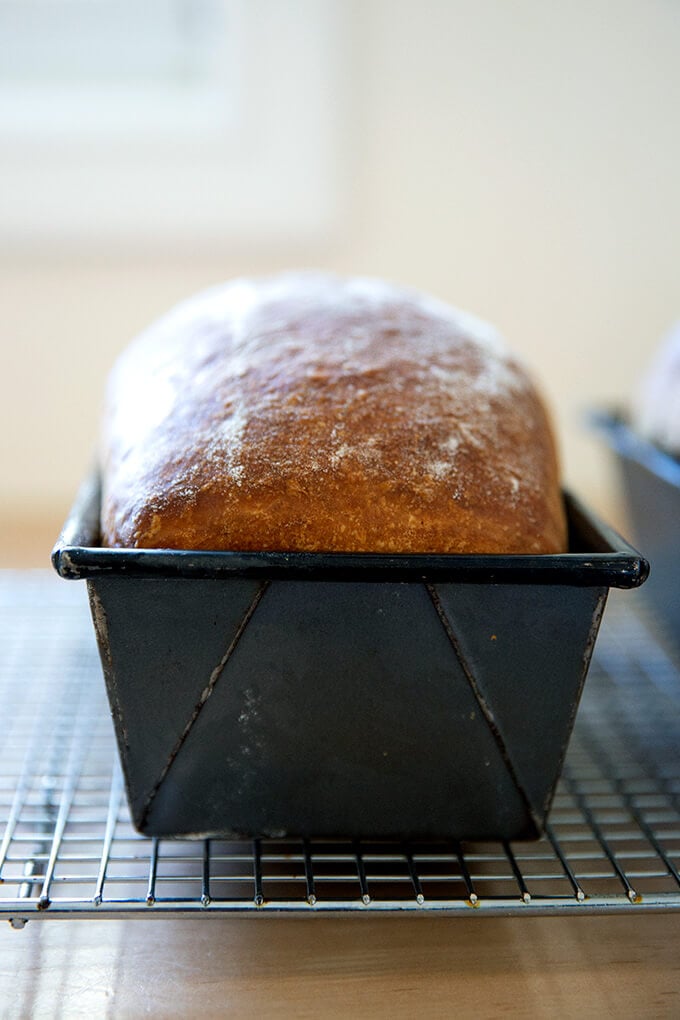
x=611, y=562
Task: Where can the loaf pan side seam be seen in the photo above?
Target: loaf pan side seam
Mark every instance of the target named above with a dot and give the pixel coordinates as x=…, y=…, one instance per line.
x=484, y=706
x=205, y=695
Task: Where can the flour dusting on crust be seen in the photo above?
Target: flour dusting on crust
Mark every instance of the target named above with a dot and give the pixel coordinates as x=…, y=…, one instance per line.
x=309, y=400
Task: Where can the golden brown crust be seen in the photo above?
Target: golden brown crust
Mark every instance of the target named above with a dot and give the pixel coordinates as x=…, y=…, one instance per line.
x=310, y=412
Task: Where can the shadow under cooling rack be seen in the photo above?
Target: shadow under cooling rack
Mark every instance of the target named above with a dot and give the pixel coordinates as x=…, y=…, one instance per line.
x=67, y=847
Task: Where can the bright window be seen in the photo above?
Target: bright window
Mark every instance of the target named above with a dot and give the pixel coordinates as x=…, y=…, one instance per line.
x=167, y=120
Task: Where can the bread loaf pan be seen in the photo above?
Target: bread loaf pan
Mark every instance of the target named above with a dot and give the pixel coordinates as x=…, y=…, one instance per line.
x=651, y=486
x=375, y=696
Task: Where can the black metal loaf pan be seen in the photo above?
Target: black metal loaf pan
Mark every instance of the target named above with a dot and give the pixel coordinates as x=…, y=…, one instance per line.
x=651, y=485
x=375, y=696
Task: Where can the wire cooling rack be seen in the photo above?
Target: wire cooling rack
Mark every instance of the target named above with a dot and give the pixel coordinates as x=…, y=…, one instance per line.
x=68, y=849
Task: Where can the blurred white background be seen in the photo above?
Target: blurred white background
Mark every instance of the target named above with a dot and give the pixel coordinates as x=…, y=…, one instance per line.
x=518, y=158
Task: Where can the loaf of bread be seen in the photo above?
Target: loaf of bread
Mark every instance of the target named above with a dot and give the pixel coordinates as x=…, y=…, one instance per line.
x=311, y=412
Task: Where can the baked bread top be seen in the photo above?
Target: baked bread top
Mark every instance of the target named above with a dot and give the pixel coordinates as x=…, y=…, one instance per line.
x=312, y=412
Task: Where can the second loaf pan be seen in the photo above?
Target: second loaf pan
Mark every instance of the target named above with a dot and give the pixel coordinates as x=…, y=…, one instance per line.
x=373, y=696
x=651, y=486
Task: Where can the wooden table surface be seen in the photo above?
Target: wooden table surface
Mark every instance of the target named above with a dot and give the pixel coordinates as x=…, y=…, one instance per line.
x=589, y=966
x=626, y=966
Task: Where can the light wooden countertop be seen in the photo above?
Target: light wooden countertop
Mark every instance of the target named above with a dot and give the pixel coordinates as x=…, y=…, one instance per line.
x=625, y=966
x=590, y=966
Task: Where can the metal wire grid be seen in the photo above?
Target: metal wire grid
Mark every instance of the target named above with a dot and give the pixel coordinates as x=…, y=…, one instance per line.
x=68, y=848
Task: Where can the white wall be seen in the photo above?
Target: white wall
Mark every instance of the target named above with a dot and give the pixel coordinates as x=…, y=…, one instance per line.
x=519, y=158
